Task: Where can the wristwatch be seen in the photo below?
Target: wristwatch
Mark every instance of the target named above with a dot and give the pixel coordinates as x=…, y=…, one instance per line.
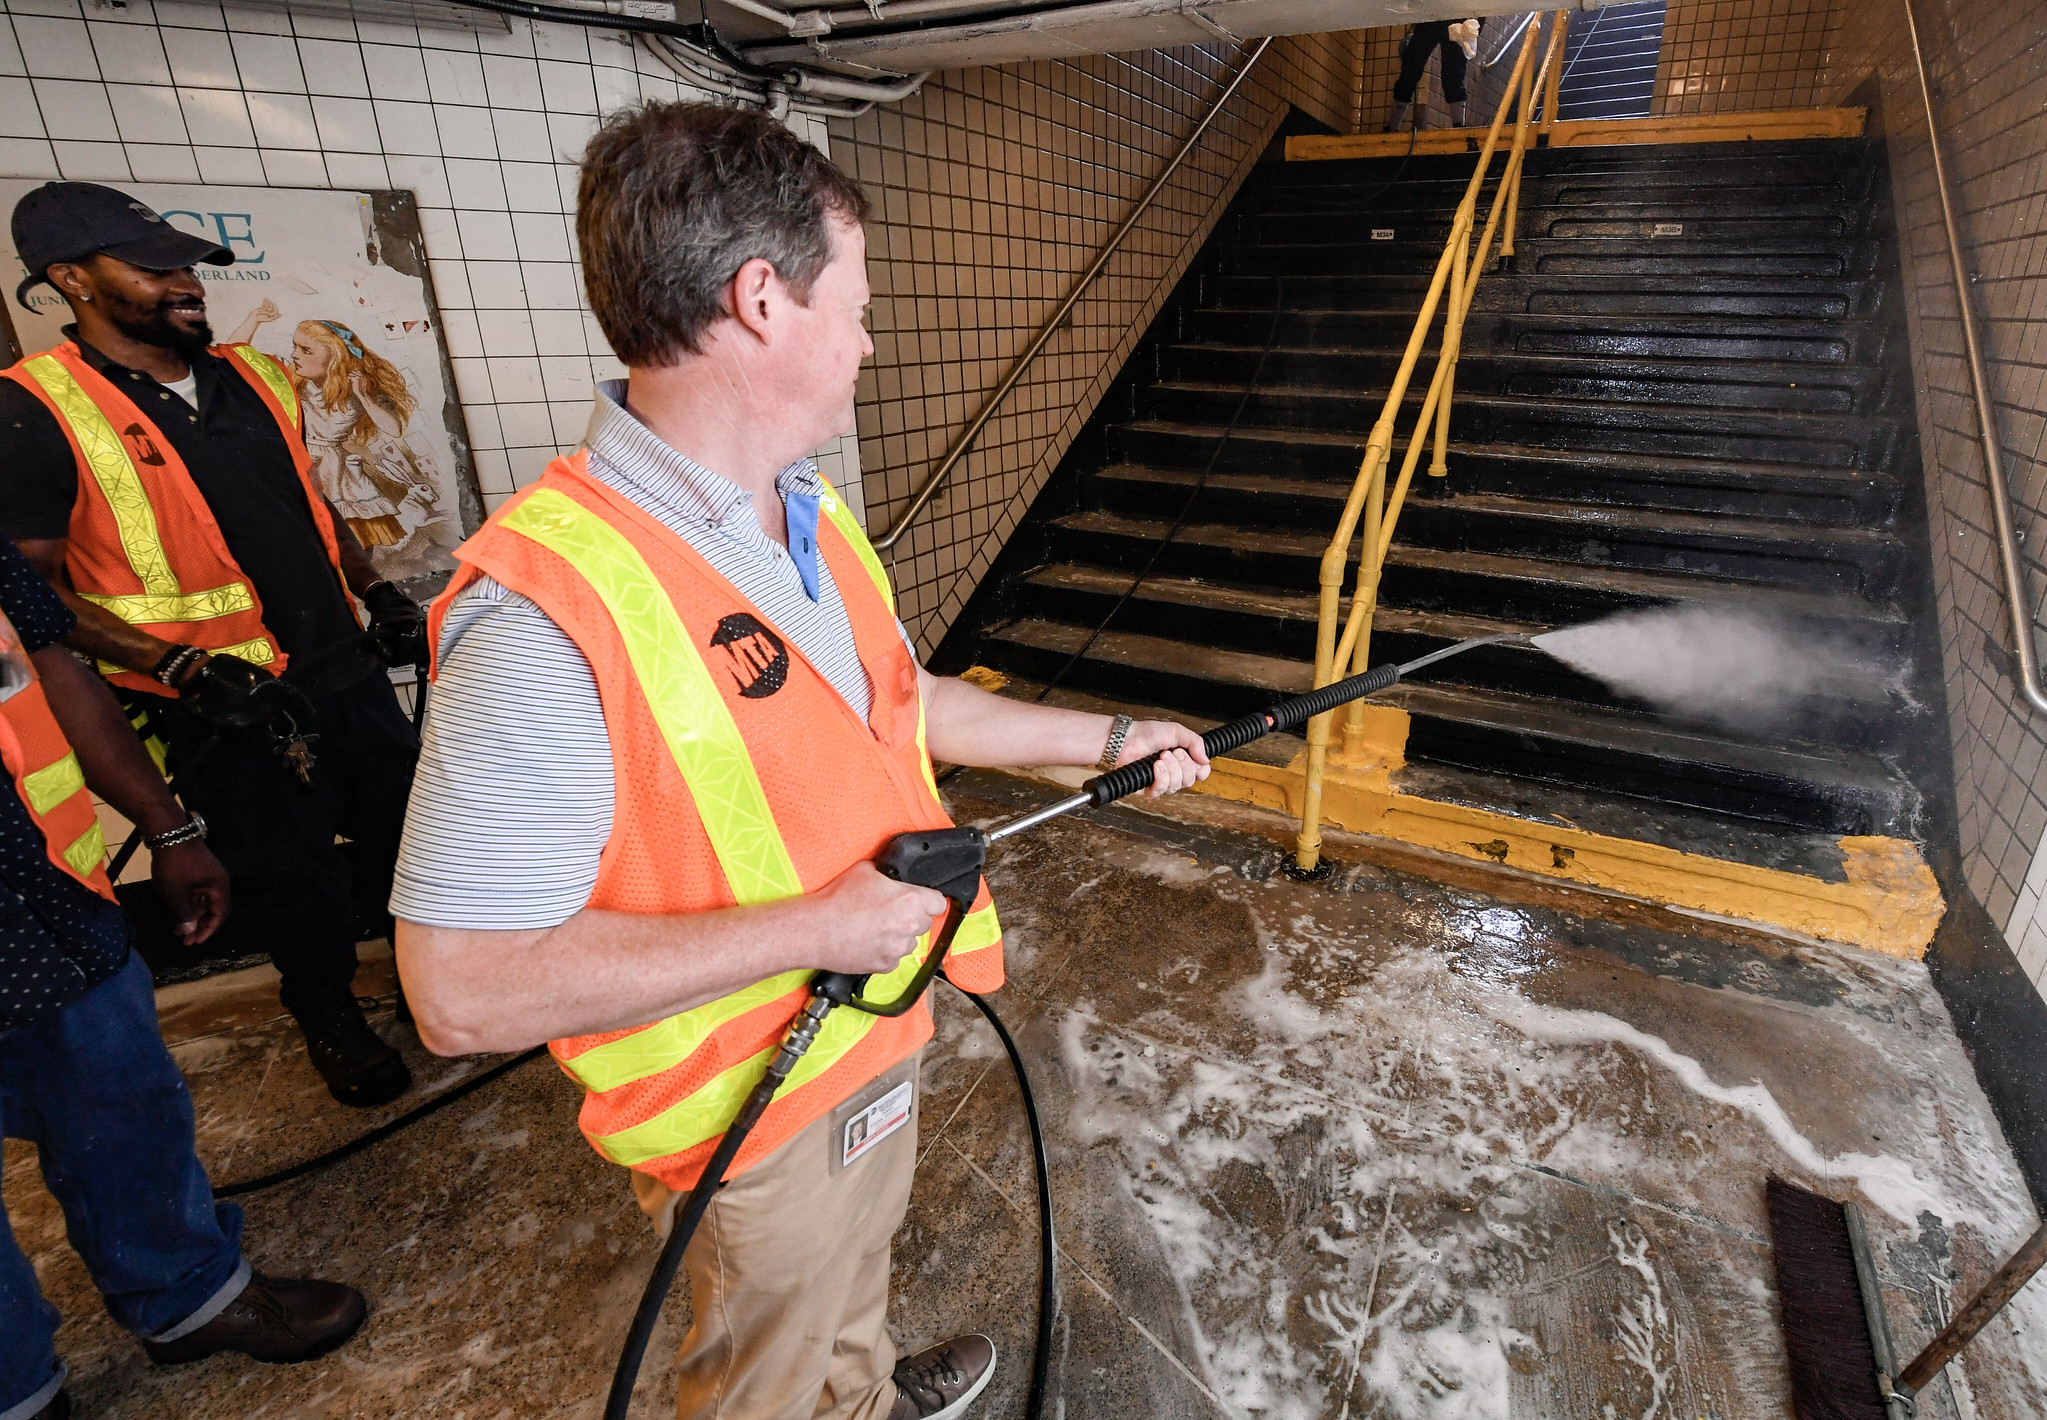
x=1113, y=750
x=191, y=828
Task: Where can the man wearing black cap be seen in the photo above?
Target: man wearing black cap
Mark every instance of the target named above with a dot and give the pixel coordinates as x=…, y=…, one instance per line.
x=161, y=484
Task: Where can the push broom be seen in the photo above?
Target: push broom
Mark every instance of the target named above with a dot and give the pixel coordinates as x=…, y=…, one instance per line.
x=1843, y=1366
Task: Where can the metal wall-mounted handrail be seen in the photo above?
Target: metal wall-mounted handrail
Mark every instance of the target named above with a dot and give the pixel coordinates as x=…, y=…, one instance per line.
x=958, y=451
x=1343, y=640
x=2013, y=567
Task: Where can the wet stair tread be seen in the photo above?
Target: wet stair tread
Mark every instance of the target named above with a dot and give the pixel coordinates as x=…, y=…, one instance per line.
x=1592, y=517
x=1592, y=729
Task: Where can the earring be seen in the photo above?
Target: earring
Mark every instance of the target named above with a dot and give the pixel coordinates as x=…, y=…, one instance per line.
x=85, y=295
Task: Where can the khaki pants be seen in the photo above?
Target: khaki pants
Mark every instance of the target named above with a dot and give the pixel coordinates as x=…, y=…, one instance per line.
x=788, y=1278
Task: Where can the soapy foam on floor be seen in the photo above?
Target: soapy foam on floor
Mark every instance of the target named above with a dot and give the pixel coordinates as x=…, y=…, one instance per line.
x=1398, y=1111
x=1726, y=666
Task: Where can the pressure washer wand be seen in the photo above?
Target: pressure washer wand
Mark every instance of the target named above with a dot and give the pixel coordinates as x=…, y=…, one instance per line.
x=951, y=860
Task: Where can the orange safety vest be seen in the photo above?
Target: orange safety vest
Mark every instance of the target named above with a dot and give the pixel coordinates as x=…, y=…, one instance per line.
x=741, y=776
x=45, y=770
x=144, y=545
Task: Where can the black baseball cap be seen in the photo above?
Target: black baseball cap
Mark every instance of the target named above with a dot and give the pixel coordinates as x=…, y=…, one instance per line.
x=69, y=221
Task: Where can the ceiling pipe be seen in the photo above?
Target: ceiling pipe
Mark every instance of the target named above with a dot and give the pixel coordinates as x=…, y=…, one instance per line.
x=986, y=26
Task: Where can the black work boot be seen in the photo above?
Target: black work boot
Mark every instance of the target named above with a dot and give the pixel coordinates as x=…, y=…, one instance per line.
x=359, y=1068
x=274, y=1319
x=941, y=1383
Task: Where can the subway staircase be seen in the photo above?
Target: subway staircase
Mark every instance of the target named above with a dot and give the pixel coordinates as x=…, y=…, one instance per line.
x=1687, y=387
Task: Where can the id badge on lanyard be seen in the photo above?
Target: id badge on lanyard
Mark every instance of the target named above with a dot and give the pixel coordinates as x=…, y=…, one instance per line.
x=873, y=1114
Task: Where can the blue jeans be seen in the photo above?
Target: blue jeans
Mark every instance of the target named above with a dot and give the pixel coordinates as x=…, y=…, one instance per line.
x=92, y=1086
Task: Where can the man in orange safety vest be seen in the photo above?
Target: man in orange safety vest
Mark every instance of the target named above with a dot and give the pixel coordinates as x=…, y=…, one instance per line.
x=675, y=721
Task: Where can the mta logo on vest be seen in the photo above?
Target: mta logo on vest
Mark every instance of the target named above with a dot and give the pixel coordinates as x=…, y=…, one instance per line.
x=141, y=447
x=755, y=655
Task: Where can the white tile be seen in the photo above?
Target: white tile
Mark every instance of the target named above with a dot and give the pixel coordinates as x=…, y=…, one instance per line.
x=161, y=162
x=249, y=20
x=472, y=381
x=56, y=49
x=476, y=184
x=513, y=81
x=387, y=32
x=571, y=419
x=19, y=115
x=447, y=37
x=569, y=134
x=75, y=109
x=450, y=280
x=147, y=113
x=526, y=425
x=453, y=77
x=333, y=67
x=522, y=136
x=486, y=236
x=233, y=167
x=516, y=378
x=543, y=236
x=568, y=88
x=505, y=333
x=529, y=464
x=27, y=157
x=567, y=377
x=361, y=171
x=493, y=469
x=11, y=61
x=283, y=121
x=568, y=178
x=570, y=42
x=395, y=73
x=465, y=132
x=196, y=15
x=496, y=285
x=559, y=333
x=64, y=9
x=552, y=285
x=425, y=177
x=130, y=54
x=269, y=63
x=616, y=88
x=92, y=162
x=216, y=117
x=482, y=420
x=407, y=128
x=459, y=330
x=322, y=27
x=606, y=367
x=347, y=125
x=201, y=59
x=287, y=169
x=529, y=187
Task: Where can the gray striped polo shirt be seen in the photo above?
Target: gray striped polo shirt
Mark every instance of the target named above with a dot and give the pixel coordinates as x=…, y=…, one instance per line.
x=512, y=803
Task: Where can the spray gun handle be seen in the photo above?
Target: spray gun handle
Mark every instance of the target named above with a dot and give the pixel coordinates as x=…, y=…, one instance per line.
x=948, y=859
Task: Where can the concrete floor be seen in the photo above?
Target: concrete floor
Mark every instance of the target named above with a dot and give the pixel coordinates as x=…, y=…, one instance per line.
x=1369, y=1147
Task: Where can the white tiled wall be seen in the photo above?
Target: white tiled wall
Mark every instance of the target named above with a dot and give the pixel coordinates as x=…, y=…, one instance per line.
x=483, y=129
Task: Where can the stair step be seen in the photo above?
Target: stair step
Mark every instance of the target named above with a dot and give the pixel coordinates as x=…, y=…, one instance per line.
x=1709, y=222
x=1316, y=486
x=1614, y=751
x=1675, y=258
x=1754, y=297
x=1508, y=586
x=1749, y=435
x=1784, y=341
x=1716, y=383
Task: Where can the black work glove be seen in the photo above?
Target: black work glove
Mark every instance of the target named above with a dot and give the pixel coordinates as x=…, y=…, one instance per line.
x=397, y=625
x=230, y=693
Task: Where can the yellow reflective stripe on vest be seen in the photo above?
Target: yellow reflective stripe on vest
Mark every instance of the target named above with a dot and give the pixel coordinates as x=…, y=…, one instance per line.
x=707, y=1112
x=835, y=508
x=272, y=374
x=978, y=930
x=258, y=652
x=694, y=720
x=52, y=784
x=145, y=607
x=113, y=471
x=87, y=851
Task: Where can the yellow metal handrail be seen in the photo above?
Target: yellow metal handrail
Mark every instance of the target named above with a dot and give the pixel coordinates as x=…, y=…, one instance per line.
x=1457, y=271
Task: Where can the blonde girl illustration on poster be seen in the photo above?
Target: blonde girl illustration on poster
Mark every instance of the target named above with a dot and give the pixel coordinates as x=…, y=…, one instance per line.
x=355, y=407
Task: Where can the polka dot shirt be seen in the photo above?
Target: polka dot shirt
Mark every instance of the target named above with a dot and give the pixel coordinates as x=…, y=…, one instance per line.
x=58, y=938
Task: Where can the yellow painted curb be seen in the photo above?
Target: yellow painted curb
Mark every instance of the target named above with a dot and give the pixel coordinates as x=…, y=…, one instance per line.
x=1890, y=902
